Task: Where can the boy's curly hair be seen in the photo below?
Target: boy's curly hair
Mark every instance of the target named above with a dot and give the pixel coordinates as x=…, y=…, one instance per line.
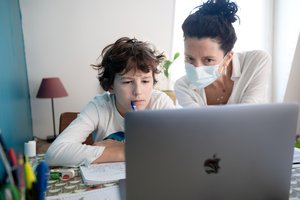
x=124, y=55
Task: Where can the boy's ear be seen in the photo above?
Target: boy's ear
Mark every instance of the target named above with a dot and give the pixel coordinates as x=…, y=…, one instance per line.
x=111, y=90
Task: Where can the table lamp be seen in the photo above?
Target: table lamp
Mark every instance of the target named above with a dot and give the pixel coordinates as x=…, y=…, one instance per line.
x=51, y=88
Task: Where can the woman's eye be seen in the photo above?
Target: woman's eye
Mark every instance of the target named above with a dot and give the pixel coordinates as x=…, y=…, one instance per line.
x=188, y=59
x=209, y=61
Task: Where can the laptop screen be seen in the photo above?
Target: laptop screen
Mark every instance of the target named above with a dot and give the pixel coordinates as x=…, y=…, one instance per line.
x=218, y=152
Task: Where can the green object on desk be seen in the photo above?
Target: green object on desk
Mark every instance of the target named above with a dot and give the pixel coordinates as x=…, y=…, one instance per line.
x=297, y=144
x=9, y=191
x=55, y=175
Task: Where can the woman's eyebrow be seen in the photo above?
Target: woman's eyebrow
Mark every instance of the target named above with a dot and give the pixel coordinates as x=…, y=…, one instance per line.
x=209, y=57
x=188, y=55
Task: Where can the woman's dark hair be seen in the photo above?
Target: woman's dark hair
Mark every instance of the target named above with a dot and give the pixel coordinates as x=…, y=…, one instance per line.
x=213, y=19
x=124, y=55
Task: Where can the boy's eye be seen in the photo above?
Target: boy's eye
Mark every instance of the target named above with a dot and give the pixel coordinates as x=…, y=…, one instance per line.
x=126, y=82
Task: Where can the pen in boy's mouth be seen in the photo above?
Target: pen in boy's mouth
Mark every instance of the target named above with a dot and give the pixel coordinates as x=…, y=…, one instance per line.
x=132, y=104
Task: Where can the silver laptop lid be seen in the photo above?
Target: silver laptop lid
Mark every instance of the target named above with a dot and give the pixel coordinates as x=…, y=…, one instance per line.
x=292, y=93
x=222, y=152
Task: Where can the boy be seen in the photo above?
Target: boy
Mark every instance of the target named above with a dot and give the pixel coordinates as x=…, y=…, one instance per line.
x=127, y=74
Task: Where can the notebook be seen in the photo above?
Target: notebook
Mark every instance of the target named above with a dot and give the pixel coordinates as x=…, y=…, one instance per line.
x=218, y=152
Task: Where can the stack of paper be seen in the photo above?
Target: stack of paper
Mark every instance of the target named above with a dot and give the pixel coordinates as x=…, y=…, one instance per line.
x=103, y=173
x=296, y=159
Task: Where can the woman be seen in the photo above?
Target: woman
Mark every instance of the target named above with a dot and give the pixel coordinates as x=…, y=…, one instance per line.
x=214, y=73
x=127, y=72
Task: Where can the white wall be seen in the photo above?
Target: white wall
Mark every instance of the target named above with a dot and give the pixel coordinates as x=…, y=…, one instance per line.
x=63, y=37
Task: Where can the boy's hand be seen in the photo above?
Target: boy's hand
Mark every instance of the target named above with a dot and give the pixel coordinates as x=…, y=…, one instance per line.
x=114, y=151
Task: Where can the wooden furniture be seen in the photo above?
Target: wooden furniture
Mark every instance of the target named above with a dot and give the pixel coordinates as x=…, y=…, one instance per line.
x=66, y=118
x=171, y=94
x=41, y=145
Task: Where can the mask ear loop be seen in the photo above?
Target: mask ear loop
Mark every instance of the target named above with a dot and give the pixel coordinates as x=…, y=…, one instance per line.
x=223, y=70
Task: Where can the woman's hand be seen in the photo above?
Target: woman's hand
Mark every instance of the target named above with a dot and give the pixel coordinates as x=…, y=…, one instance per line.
x=114, y=151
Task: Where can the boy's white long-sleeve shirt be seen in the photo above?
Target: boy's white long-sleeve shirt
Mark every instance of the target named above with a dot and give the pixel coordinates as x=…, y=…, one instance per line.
x=251, y=72
x=101, y=116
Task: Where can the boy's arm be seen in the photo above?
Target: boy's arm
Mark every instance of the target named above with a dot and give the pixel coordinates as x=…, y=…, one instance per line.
x=114, y=151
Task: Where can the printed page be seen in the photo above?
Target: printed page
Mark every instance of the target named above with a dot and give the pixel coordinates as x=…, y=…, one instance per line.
x=103, y=173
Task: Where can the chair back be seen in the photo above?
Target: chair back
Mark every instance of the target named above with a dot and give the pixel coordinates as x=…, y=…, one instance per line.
x=66, y=118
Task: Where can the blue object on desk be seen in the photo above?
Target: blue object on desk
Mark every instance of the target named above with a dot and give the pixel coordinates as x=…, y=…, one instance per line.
x=119, y=136
x=42, y=172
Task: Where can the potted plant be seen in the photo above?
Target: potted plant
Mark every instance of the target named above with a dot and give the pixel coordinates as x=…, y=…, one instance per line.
x=167, y=64
x=166, y=71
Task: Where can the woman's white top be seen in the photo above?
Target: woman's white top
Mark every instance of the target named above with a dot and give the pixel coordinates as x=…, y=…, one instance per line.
x=101, y=117
x=251, y=72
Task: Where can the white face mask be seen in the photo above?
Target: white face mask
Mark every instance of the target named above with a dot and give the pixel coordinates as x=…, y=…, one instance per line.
x=202, y=76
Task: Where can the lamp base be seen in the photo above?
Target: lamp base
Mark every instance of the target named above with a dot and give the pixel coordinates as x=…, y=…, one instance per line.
x=50, y=139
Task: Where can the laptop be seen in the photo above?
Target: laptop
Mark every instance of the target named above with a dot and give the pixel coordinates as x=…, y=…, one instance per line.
x=217, y=152
x=292, y=93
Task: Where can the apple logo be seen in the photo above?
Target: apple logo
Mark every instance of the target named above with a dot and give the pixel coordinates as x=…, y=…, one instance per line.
x=211, y=165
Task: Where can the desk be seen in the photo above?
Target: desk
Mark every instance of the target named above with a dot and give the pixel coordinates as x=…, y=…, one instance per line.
x=75, y=189
x=294, y=191
x=295, y=184
x=41, y=146
x=75, y=185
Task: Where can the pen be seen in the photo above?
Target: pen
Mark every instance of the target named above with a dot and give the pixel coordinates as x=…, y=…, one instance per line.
x=6, y=164
x=30, y=177
x=9, y=191
x=2, y=142
x=14, y=165
x=30, y=181
x=21, y=177
x=42, y=177
x=133, y=106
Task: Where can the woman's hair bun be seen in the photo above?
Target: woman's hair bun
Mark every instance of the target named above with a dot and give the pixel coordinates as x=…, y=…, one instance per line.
x=222, y=8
